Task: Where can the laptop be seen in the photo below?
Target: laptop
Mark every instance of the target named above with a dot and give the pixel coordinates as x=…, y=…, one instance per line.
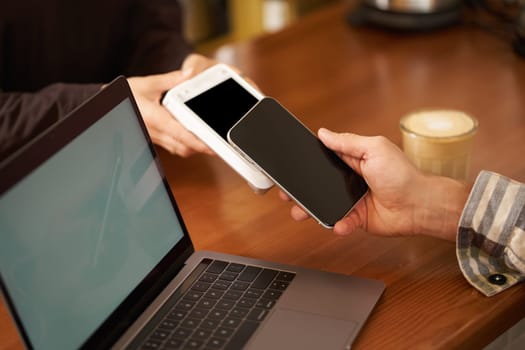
x=94, y=254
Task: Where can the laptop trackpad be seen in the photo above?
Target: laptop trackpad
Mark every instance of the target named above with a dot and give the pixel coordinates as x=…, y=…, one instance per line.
x=291, y=329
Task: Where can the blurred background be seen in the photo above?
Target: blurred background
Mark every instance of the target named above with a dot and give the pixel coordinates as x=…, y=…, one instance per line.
x=210, y=24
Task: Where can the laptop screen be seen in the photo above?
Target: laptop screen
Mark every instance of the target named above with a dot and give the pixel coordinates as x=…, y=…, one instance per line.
x=83, y=229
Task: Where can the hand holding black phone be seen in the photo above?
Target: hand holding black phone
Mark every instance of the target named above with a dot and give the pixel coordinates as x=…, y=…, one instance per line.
x=297, y=161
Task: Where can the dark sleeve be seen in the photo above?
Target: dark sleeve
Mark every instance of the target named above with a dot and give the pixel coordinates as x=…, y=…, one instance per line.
x=156, y=35
x=25, y=115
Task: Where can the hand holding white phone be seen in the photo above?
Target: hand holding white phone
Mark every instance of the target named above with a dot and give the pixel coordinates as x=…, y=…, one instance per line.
x=208, y=105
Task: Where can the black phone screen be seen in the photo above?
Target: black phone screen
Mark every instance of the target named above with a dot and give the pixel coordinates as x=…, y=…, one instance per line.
x=298, y=161
x=222, y=106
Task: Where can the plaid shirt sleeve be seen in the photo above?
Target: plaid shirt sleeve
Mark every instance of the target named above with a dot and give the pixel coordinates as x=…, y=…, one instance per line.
x=491, y=234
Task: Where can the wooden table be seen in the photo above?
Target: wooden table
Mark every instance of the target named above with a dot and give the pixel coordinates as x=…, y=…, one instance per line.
x=363, y=80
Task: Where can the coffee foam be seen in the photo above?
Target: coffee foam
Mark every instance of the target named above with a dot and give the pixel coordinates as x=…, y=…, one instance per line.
x=438, y=123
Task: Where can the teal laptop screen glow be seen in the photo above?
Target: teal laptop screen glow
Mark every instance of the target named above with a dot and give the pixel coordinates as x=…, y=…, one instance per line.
x=82, y=231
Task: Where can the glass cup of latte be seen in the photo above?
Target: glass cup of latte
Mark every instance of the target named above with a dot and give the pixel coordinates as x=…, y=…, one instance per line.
x=439, y=141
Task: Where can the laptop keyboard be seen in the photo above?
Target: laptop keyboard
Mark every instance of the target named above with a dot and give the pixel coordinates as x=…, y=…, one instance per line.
x=221, y=309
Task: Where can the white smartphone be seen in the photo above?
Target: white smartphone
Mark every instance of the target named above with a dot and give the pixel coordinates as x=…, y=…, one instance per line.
x=208, y=105
x=298, y=162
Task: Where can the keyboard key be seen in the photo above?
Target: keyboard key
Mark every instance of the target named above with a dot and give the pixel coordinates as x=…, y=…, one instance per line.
x=215, y=343
x=217, y=266
x=249, y=273
x=224, y=332
x=198, y=313
x=257, y=314
x=233, y=295
x=190, y=323
x=217, y=314
x=246, y=302
x=272, y=294
x=279, y=285
x=208, y=278
x=185, y=305
x=193, y=295
x=168, y=325
x=238, y=285
x=182, y=333
x=242, y=335
x=201, y=286
x=231, y=322
x=233, y=267
x=264, y=279
x=265, y=303
x=253, y=293
x=193, y=344
x=160, y=334
x=214, y=294
x=206, y=303
x=151, y=344
x=173, y=343
x=210, y=323
x=285, y=276
x=239, y=312
x=177, y=315
x=202, y=334
x=222, y=285
x=225, y=304
x=228, y=276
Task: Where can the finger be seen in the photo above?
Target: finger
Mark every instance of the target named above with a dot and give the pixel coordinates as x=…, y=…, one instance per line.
x=298, y=214
x=168, y=133
x=345, y=143
x=191, y=141
x=169, y=144
x=284, y=196
x=197, y=62
x=172, y=145
x=184, y=136
x=347, y=225
x=164, y=82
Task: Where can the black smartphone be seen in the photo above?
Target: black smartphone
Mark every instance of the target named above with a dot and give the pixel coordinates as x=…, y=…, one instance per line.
x=285, y=150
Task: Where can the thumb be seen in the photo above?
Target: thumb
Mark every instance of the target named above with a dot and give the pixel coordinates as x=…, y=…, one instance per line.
x=166, y=81
x=346, y=144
